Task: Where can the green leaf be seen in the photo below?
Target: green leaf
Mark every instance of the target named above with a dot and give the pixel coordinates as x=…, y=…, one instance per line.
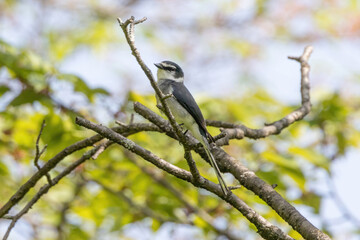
x=311, y=156
x=26, y=66
x=81, y=86
x=313, y=200
x=289, y=167
x=26, y=96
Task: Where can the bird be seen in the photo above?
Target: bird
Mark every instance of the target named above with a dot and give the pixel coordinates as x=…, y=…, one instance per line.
x=170, y=80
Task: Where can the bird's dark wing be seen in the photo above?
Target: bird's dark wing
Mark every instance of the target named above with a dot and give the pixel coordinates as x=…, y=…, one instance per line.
x=184, y=97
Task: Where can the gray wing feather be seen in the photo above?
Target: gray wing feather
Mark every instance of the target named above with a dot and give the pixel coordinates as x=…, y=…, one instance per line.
x=187, y=101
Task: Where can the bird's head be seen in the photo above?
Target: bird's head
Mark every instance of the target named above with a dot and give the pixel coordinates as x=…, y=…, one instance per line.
x=169, y=70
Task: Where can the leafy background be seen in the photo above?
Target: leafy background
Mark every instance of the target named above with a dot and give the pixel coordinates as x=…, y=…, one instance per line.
x=60, y=59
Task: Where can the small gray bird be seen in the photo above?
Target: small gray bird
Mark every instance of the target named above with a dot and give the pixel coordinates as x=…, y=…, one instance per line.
x=185, y=110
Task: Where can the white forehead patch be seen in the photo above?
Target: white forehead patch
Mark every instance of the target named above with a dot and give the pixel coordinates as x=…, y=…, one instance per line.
x=168, y=66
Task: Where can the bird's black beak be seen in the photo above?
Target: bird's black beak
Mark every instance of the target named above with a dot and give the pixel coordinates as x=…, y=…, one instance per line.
x=158, y=65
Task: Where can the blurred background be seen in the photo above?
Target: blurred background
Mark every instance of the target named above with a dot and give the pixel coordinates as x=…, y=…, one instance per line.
x=60, y=59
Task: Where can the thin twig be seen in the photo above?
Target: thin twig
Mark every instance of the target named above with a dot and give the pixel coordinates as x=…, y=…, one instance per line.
x=38, y=153
x=192, y=166
x=101, y=149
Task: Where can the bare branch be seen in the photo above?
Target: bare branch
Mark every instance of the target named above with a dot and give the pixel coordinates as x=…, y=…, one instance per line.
x=266, y=192
x=192, y=165
x=265, y=229
x=101, y=149
x=276, y=127
x=133, y=147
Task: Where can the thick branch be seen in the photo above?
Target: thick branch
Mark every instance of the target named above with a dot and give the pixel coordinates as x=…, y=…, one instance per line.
x=267, y=193
x=265, y=229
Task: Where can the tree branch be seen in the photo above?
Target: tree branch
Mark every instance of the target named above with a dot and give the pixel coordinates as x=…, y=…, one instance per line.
x=38, y=153
x=192, y=166
x=276, y=127
x=265, y=229
x=126, y=130
x=44, y=189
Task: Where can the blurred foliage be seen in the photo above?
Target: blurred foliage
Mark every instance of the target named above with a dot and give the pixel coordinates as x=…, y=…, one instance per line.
x=31, y=90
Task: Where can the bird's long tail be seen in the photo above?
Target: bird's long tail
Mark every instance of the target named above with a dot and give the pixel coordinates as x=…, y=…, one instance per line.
x=213, y=163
